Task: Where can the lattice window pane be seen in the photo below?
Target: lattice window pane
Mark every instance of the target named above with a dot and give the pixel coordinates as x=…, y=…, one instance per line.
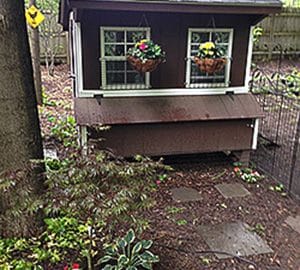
x=117, y=74
x=223, y=40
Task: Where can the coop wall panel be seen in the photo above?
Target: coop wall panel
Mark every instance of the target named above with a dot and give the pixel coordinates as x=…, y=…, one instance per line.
x=170, y=30
x=177, y=138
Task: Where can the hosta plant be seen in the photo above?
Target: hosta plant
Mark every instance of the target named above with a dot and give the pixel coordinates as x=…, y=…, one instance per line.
x=128, y=254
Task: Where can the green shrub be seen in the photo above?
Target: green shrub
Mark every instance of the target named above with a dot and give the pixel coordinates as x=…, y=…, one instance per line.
x=89, y=199
x=64, y=131
x=105, y=190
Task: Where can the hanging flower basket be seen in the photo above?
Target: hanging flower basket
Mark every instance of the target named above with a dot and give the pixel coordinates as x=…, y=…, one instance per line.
x=148, y=66
x=210, y=58
x=210, y=65
x=145, y=56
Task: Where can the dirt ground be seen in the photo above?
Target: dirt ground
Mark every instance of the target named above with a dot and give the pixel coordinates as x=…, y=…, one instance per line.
x=263, y=206
x=174, y=225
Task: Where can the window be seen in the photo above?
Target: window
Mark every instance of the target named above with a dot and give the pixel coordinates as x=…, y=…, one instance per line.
x=198, y=79
x=116, y=72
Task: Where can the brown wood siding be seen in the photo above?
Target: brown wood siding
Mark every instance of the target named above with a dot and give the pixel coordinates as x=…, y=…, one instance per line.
x=169, y=30
x=177, y=138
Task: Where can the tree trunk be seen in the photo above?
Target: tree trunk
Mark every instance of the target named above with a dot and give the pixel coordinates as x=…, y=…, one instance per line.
x=20, y=136
x=36, y=61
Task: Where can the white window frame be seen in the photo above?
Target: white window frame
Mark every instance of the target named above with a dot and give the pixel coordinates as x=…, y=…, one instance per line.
x=103, y=59
x=189, y=58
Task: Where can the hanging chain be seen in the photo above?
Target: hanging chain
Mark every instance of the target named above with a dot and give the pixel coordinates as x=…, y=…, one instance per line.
x=143, y=19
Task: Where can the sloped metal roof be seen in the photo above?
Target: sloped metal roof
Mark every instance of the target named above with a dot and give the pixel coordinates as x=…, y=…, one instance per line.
x=137, y=110
x=209, y=2
x=256, y=7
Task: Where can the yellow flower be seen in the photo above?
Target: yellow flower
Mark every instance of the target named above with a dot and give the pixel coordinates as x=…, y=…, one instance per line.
x=207, y=46
x=141, y=42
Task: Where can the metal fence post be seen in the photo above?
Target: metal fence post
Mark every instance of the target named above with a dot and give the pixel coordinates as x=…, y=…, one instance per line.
x=296, y=155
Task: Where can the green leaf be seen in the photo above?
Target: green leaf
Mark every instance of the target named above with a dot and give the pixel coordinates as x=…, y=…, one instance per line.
x=104, y=259
x=108, y=267
x=122, y=243
x=147, y=265
x=148, y=256
x=129, y=238
x=111, y=250
x=122, y=260
x=146, y=244
x=131, y=268
x=137, y=248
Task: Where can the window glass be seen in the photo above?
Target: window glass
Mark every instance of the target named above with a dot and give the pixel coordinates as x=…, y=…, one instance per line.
x=197, y=78
x=117, y=73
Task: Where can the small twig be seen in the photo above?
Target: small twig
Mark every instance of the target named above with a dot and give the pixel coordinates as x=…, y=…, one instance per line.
x=219, y=175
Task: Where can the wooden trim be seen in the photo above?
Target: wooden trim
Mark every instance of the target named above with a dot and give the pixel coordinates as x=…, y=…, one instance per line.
x=77, y=48
x=164, y=92
x=255, y=134
x=249, y=57
x=83, y=138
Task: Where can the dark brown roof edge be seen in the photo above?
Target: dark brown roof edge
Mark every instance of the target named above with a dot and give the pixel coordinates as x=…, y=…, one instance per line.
x=180, y=7
x=221, y=7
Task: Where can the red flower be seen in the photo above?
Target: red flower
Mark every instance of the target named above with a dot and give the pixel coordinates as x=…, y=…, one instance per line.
x=75, y=266
x=66, y=267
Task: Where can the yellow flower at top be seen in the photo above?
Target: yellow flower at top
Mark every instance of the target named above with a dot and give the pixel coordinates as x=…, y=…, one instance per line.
x=207, y=46
x=141, y=42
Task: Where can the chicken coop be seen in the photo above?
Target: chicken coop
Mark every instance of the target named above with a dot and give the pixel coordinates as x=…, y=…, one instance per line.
x=177, y=108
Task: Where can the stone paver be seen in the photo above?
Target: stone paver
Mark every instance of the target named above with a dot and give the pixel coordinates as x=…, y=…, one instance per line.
x=294, y=222
x=235, y=238
x=184, y=194
x=232, y=190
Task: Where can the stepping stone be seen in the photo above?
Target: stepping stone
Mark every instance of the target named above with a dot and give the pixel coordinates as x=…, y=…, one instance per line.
x=235, y=238
x=294, y=222
x=185, y=194
x=232, y=190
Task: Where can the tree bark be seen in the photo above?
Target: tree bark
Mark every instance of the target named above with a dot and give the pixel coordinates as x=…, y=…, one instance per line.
x=20, y=136
x=36, y=61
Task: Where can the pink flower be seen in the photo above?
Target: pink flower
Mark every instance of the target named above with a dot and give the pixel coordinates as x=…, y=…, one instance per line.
x=143, y=46
x=66, y=267
x=158, y=182
x=236, y=169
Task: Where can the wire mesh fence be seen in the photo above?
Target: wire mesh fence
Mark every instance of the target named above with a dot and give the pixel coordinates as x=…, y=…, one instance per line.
x=278, y=152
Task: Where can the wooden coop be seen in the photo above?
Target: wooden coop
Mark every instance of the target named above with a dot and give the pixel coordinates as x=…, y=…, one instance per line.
x=177, y=108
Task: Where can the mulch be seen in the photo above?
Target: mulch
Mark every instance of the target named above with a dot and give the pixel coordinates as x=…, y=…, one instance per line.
x=178, y=244
x=263, y=206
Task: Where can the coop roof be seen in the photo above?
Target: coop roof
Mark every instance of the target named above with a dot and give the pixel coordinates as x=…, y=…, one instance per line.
x=262, y=7
x=134, y=110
